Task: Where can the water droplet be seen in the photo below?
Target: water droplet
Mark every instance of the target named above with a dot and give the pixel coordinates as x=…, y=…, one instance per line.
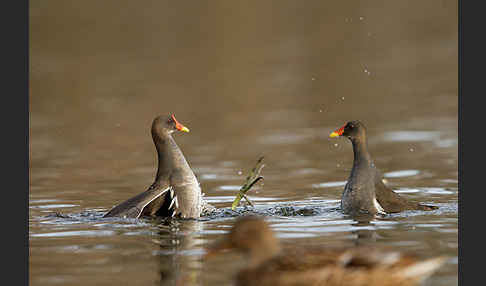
x=313, y=78
x=411, y=149
x=361, y=18
x=240, y=172
x=342, y=98
x=338, y=165
x=320, y=110
x=336, y=144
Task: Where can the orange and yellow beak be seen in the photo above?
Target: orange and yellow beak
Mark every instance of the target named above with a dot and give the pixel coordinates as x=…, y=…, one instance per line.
x=179, y=126
x=337, y=133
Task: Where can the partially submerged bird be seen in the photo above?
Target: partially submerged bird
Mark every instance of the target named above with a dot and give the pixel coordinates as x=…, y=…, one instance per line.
x=365, y=191
x=175, y=191
x=270, y=265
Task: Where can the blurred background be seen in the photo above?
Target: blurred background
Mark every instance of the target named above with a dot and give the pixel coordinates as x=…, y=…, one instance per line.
x=248, y=78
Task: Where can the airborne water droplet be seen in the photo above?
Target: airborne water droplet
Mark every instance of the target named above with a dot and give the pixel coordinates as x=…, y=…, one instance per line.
x=240, y=172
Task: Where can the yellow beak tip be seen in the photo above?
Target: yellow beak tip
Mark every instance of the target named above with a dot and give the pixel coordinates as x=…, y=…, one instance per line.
x=185, y=129
x=333, y=134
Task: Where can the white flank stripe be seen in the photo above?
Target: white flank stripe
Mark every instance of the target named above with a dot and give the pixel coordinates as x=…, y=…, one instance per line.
x=378, y=207
x=163, y=192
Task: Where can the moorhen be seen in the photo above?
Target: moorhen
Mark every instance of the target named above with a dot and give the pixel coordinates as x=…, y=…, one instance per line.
x=363, y=265
x=365, y=192
x=175, y=191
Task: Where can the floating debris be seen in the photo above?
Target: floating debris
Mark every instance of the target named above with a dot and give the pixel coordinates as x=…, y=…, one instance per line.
x=57, y=215
x=293, y=211
x=251, y=179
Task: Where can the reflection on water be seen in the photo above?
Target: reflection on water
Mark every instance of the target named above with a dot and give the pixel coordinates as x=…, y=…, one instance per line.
x=177, y=246
x=248, y=80
x=411, y=136
x=401, y=173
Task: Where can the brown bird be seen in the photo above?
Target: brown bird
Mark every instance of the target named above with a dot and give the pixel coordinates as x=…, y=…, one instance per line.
x=365, y=192
x=175, y=191
x=270, y=265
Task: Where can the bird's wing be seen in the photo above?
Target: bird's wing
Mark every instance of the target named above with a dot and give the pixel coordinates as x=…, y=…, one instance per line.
x=317, y=258
x=147, y=202
x=392, y=202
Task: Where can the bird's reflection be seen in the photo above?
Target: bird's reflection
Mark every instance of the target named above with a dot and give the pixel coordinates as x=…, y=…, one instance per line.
x=364, y=229
x=179, y=261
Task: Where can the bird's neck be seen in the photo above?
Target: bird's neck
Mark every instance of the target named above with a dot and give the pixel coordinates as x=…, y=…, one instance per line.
x=360, y=150
x=168, y=154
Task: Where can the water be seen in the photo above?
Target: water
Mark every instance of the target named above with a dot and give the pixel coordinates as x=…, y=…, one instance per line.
x=247, y=80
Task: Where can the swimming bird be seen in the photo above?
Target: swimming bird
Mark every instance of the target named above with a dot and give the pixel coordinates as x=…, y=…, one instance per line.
x=175, y=191
x=365, y=192
x=269, y=264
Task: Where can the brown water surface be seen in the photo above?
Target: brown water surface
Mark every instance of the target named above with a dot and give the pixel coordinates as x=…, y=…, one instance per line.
x=249, y=78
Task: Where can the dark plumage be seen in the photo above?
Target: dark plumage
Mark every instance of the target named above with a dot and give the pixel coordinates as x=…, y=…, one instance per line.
x=175, y=191
x=365, y=191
